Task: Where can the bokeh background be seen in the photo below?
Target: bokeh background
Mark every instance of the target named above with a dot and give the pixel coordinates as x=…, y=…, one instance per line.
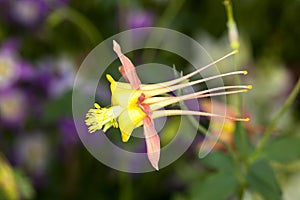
x=42, y=44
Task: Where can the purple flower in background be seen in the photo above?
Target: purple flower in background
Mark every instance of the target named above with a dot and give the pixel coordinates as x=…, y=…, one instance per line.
x=27, y=71
x=56, y=76
x=9, y=63
x=28, y=12
x=138, y=19
x=56, y=3
x=32, y=13
x=64, y=77
x=68, y=131
x=12, y=67
x=41, y=82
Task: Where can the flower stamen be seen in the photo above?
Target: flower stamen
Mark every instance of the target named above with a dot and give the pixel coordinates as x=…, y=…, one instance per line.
x=183, y=78
x=166, y=89
x=197, y=95
x=102, y=118
x=164, y=113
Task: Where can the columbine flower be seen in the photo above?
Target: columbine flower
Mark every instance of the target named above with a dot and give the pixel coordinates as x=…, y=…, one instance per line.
x=137, y=104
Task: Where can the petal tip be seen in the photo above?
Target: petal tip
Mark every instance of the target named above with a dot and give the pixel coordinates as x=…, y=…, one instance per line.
x=125, y=136
x=116, y=47
x=154, y=164
x=110, y=78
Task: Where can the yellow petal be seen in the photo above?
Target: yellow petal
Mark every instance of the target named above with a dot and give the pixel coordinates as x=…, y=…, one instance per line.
x=125, y=98
x=128, y=120
x=120, y=84
x=121, y=96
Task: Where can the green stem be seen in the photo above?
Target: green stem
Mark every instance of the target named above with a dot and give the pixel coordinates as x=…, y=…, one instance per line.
x=241, y=193
x=275, y=121
x=77, y=19
x=125, y=187
x=165, y=20
x=170, y=13
x=228, y=7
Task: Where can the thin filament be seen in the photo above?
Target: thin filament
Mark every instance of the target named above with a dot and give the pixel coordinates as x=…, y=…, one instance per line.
x=197, y=95
x=163, y=90
x=164, y=113
x=178, y=80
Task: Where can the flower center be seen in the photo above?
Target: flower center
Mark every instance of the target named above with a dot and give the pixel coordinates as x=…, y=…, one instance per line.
x=11, y=106
x=6, y=69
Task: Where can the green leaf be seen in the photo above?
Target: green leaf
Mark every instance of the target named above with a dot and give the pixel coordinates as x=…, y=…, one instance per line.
x=261, y=178
x=219, y=160
x=24, y=185
x=283, y=150
x=221, y=185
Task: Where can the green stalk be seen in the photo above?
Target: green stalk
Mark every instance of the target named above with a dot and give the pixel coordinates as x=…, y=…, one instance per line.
x=77, y=19
x=170, y=13
x=284, y=108
x=165, y=20
x=125, y=187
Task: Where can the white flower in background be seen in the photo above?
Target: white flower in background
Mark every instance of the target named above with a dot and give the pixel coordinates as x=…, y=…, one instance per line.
x=12, y=106
x=9, y=70
x=32, y=152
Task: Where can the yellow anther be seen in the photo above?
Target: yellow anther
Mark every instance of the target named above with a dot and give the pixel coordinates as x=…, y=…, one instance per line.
x=245, y=72
x=96, y=105
x=236, y=51
x=249, y=87
x=100, y=118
